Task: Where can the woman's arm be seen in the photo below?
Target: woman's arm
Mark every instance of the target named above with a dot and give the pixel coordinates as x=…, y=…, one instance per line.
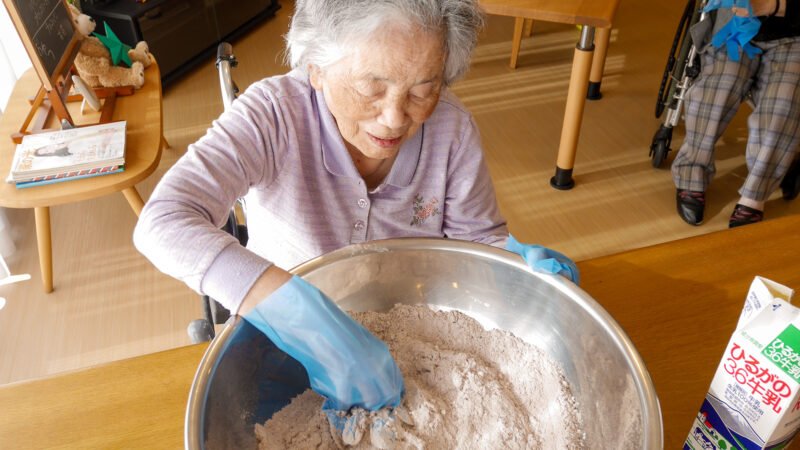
x=764, y=8
x=178, y=229
x=470, y=211
x=265, y=285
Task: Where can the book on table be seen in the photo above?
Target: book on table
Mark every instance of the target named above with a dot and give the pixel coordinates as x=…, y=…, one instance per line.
x=63, y=155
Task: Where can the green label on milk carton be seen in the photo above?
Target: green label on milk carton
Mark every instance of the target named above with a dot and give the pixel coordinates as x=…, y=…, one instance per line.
x=784, y=351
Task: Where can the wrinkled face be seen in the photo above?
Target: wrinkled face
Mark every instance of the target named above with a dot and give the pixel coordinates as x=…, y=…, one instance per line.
x=384, y=90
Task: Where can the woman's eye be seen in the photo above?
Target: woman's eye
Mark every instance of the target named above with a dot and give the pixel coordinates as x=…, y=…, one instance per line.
x=368, y=89
x=369, y=92
x=420, y=92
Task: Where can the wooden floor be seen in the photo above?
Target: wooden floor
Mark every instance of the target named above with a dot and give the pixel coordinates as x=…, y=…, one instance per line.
x=111, y=303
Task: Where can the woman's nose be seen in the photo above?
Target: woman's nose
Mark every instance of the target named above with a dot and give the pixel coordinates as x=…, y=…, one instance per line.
x=393, y=113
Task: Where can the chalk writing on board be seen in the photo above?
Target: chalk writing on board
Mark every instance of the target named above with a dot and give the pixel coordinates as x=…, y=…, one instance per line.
x=49, y=25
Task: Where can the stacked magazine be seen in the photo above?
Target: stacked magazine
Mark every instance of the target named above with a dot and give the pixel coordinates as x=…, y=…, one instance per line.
x=63, y=155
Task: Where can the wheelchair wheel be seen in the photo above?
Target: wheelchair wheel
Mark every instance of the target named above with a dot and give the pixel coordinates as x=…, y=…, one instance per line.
x=664, y=91
x=659, y=153
x=200, y=330
x=660, y=145
x=790, y=186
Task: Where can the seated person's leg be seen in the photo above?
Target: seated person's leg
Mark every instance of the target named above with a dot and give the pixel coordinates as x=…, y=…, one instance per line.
x=774, y=128
x=711, y=102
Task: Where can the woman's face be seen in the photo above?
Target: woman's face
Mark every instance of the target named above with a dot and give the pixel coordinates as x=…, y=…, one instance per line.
x=384, y=90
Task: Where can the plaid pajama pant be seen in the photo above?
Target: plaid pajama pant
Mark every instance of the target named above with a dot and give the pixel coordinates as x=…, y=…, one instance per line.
x=772, y=78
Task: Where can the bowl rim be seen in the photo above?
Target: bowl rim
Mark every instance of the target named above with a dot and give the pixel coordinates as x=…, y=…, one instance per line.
x=651, y=408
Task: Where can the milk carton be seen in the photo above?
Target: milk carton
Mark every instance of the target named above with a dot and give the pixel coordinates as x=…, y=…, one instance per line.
x=754, y=399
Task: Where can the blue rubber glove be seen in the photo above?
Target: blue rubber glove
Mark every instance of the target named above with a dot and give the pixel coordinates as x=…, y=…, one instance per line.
x=738, y=32
x=345, y=362
x=543, y=259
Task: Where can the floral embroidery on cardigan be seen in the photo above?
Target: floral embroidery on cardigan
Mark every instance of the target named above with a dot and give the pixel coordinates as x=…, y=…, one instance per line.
x=422, y=210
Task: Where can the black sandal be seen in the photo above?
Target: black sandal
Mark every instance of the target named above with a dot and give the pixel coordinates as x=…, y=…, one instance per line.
x=691, y=205
x=745, y=215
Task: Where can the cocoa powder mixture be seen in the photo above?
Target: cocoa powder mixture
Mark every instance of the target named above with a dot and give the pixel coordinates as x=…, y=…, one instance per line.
x=466, y=387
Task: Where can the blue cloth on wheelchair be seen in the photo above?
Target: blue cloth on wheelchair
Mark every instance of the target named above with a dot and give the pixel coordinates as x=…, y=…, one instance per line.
x=738, y=32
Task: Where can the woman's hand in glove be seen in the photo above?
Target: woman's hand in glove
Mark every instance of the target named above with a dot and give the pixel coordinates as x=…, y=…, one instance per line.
x=543, y=259
x=345, y=362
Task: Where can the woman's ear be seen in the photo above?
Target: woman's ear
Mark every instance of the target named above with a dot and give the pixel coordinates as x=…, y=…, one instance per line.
x=315, y=76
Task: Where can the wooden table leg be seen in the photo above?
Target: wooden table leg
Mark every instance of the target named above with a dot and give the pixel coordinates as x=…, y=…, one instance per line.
x=517, y=41
x=42, y=216
x=164, y=143
x=598, y=63
x=528, y=28
x=134, y=199
x=576, y=99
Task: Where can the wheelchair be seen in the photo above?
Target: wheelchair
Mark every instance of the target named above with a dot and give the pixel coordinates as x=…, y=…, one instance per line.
x=683, y=66
x=202, y=330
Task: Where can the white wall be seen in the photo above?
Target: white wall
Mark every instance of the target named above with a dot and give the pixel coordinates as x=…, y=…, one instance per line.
x=13, y=62
x=13, y=58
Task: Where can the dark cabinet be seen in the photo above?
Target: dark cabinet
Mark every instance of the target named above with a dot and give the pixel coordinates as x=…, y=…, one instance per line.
x=180, y=33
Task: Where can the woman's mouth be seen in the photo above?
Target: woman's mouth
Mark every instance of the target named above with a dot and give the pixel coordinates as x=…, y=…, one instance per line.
x=384, y=142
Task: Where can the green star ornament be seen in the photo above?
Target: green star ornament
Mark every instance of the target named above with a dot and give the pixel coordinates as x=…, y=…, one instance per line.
x=119, y=51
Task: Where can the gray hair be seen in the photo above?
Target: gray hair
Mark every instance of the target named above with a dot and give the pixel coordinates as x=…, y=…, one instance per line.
x=322, y=31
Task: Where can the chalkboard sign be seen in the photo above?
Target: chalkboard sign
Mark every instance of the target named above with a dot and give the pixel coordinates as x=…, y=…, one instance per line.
x=48, y=34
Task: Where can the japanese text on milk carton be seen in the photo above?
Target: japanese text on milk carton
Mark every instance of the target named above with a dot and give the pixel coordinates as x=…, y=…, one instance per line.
x=754, y=398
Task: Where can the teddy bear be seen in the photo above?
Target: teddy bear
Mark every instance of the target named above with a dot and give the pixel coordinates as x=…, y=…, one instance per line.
x=93, y=61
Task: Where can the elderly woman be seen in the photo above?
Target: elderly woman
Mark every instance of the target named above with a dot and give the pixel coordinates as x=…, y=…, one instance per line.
x=360, y=141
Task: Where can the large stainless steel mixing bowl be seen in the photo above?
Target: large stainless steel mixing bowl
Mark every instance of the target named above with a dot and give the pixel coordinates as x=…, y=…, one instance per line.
x=243, y=379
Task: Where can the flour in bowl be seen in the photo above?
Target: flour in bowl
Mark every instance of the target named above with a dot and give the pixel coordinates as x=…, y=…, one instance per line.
x=466, y=387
